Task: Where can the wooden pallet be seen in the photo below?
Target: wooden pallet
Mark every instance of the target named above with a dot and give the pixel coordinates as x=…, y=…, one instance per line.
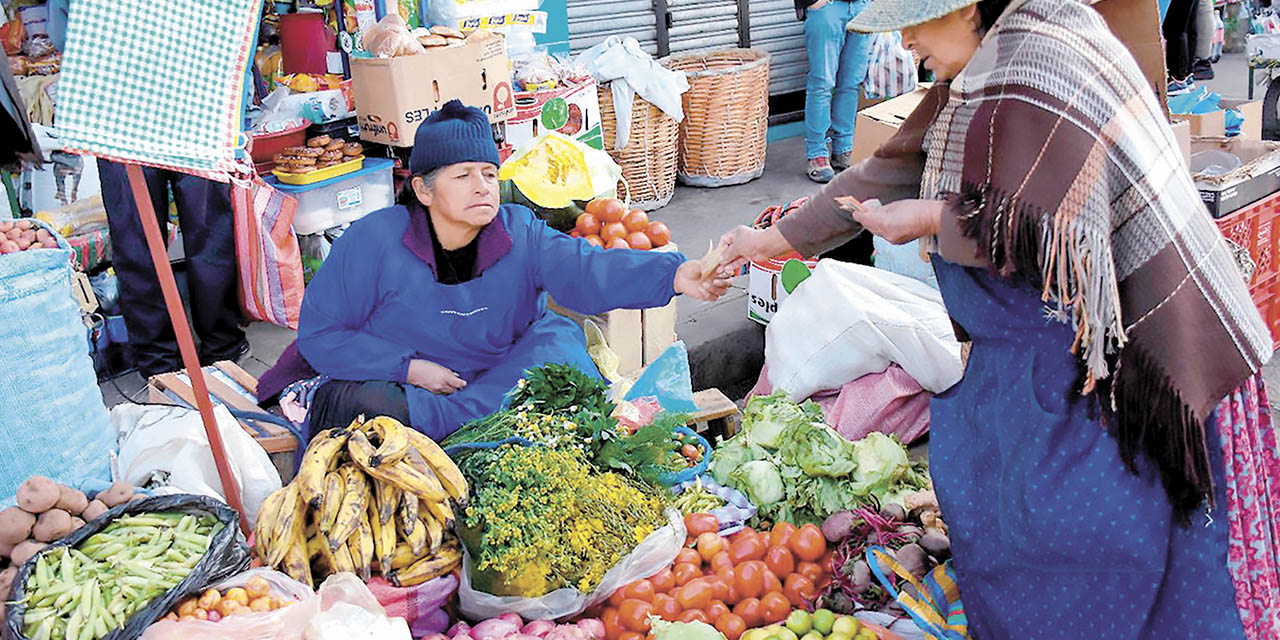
x=717, y=415
x=174, y=388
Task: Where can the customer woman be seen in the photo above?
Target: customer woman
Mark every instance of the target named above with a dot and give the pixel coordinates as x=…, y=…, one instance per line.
x=432, y=310
x=1107, y=464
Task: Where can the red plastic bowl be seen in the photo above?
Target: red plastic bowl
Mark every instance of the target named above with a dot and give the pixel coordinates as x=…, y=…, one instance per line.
x=265, y=147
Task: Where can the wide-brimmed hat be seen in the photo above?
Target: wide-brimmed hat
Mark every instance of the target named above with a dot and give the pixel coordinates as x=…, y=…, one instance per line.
x=891, y=15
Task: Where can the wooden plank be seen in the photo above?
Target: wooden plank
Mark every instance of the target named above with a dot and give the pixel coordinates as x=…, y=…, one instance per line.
x=712, y=405
x=242, y=377
x=172, y=383
x=228, y=396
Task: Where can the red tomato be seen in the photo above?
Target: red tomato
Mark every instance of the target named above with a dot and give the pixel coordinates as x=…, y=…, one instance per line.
x=781, y=534
x=612, y=230
x=612, y=624
x=719, y=587
x=639, y=590
x=666, y=607
x=636, y=220
x=721, y=561
x=694, y=615
x=640, y=241
x=634, y=615
x=717, y=609
x=825, y=562
x=618, y=243
x=709, y=544
x=809, y=544
x=799, y=590
x=685, y=573
x=658, y=233
x=811, y=570
x=732, y=626
x=663, y=580
x=749, y=611
x=594, y=206
x=745, y=549
x=700, y=523
x=588, y=225
x=695, y=595
x=618, y=596
x=772, y=583
x=689, y=556
x=734, y=597
x=612, y=210
x=774, y=607
x=749, y=579
x=594, y=240
x=745, y=532
x=780, y=561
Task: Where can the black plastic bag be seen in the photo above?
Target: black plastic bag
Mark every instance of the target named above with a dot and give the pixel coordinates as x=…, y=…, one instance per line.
x=228, y=555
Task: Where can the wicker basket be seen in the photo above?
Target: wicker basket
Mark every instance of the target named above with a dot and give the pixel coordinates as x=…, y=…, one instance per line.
x=649, y=160
x=726, y=117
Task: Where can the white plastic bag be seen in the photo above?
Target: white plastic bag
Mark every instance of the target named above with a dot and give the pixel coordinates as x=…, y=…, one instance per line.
x=630, y=70
x=891, y=70
x=169, y=443
x=656, y=551
x=262, y=624
x=849, y=320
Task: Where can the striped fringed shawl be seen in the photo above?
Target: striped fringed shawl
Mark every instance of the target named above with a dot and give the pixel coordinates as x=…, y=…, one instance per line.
x=1057, y=159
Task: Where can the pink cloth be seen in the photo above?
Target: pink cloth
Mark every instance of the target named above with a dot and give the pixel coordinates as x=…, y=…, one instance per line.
x=423, y=606
x=1253, y=506
x=891, y=402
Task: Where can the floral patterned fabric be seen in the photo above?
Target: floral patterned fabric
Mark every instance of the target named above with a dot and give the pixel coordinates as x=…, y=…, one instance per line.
x=1253, y=506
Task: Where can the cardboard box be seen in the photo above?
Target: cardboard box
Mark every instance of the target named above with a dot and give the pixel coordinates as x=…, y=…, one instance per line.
x=1137, y=24
x=580, y=115
x=1213, y=125
x=394, y=95
x=1257, y=178
x=1182, y=133
x=878, y=123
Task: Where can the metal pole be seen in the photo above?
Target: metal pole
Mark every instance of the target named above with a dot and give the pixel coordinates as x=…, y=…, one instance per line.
x=186, y=344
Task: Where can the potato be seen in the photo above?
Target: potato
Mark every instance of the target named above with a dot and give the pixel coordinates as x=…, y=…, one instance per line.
x=38, y=494
x=5, y=549
x=6, y=581
x=52, y=525
x=76, y=523
x=71, y=500
x=119, y=493
x=95, y=509
x=15, y=525
x=25, y=550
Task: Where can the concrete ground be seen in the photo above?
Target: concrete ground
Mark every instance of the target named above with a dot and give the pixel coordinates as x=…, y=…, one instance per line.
x=726, y=349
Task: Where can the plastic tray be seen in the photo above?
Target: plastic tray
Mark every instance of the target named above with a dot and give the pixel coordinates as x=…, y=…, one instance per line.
x=345, y=198
x=320, y=175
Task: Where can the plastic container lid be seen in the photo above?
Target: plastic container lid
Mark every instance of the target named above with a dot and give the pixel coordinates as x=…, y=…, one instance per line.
x=371, y=165
x=1214, y=162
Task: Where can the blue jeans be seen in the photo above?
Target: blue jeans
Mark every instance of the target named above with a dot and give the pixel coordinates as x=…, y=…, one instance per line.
x=837, y=61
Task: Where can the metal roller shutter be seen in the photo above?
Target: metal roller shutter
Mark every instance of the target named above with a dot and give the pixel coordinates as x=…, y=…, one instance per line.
x=700, y=25
x=774, y=28
x=591, y=21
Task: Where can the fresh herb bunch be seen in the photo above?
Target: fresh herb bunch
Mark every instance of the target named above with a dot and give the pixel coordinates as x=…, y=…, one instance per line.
x=547, y=519
x=646, y=453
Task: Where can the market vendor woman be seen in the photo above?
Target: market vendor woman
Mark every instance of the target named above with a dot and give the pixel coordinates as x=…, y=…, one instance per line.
x=431, y=310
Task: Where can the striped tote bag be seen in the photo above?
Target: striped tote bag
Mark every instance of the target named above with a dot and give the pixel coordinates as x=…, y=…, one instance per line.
x=271, y=284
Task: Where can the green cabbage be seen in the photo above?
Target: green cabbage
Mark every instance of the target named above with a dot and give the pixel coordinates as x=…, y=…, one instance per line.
x=881, y=462
x=731, y=454
x=819, y=450
x=760, y=480
x=767, y=418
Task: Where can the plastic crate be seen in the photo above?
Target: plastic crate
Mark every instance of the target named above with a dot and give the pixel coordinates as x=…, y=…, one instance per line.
x=343, y=199
x=1253, y=228
x=1266, y=295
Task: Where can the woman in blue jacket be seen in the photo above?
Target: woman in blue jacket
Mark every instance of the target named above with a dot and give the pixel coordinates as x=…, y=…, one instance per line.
x=431, y=311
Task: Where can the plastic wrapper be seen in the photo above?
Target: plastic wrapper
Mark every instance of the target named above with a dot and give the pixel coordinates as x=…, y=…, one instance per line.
x=668, y=379
x=38, y=46
x=737, y=509
x=391, y=38
x=81, y=216
x=12, y=34
x=228, y=555
x=263, y=624
x=656, y=551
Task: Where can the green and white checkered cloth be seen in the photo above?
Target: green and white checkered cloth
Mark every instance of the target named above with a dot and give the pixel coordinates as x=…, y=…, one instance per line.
x=157, y=83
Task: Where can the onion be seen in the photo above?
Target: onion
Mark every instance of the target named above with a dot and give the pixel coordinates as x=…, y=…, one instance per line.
x=539, y=628
x=436, y=636
x=593, y=628
x=513, y=618
x=494, y=629
x=460, y=629
x=523, y=636
x=566, y=632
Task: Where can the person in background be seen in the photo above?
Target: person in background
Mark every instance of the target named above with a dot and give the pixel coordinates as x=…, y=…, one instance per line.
x=837, y=67
x=1180, y=36
x=431, y=310
x=1202, y=69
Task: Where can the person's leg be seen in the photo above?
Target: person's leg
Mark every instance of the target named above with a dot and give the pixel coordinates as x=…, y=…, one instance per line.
x=337, y=402
x=152, y=346
x=208, y=236
x=854, y=56
x=1177, y=24
x=1203, y=50
x=823, y=38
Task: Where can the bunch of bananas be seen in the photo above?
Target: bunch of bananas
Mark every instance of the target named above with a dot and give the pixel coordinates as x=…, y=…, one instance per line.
x=375, y=494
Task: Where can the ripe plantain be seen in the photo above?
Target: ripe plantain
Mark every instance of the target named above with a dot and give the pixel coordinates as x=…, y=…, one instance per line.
x=447, y=471
x=402, y=557
x=361, y=545
x=417, y=538
x=297, y=563
x=268, y=513
x=342, y=560
x=288, y=527
x=315, y=463
x=393, y=438
x=442, y=512
x=435, y=532
x=387, y=498
x=408, y=512
x=384, y=541
x=399, y=474
x=354, y=504
x=335, y=487
x=428, y=568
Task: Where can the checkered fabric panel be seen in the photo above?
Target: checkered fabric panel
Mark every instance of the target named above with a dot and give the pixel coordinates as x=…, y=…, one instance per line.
x=157, y=83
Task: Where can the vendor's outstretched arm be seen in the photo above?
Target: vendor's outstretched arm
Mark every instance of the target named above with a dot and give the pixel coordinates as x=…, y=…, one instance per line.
x=337, y=305
x=592, y=280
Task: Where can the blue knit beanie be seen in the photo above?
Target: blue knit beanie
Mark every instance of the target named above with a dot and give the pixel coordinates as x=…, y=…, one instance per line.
x=456, y=133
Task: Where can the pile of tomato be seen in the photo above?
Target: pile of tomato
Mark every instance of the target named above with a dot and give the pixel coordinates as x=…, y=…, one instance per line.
x=608, y=224
x=735, y=583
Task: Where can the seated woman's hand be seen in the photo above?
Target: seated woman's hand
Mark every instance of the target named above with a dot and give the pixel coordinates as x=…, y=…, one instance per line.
x=690, y=282
x=902, y=221
x=428, y=375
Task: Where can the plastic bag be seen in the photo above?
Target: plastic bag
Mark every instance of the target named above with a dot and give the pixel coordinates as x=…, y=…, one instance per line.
x=422, y=606
x=891, y=69
x=655, y=552
x=668, y=379
x=263, y=624
x=737, y=509
x=171, y=441
x=227, y=555
x=81, y=216
x=391, y=38
x=12, y=36
x=553, y=170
